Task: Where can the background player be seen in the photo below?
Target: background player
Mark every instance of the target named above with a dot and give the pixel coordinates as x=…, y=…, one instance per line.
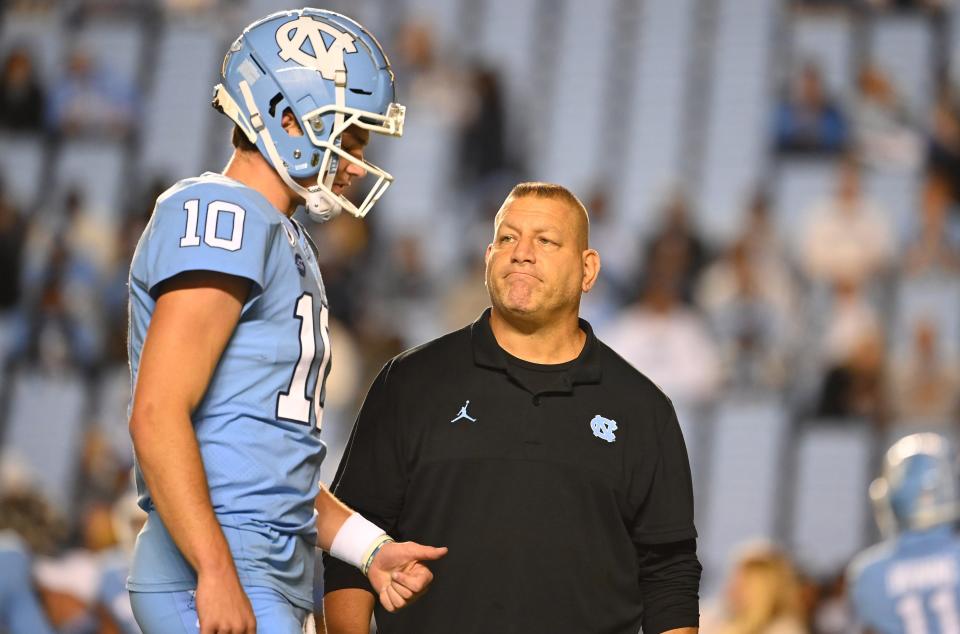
x=911, y=582
x=229, y=348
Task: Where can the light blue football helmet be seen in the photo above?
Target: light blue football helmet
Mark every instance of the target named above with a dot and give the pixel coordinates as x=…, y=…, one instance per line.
x=917, y=489
x=332, y=74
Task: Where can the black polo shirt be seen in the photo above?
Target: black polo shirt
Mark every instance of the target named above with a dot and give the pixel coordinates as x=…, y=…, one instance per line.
x=563, y=492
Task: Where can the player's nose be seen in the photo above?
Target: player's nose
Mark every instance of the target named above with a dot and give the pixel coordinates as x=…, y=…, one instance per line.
x=356, y=171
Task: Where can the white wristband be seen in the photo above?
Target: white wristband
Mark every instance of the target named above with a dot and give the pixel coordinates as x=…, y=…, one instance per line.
x=355, y=540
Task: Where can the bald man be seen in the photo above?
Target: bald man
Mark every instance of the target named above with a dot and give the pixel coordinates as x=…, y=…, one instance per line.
x=554, y=471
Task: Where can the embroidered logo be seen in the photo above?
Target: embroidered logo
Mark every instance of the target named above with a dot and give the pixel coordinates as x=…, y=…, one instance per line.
x=604, y=428
x=464, y=415
x=305, y=41
x=301, y=265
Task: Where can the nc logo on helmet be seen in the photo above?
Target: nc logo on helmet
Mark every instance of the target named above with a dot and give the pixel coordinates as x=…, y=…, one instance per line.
x=325, y=59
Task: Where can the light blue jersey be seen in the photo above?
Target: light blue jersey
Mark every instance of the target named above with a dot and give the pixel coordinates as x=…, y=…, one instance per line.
x=910, y=584
x=258, y=425
x=20, y=609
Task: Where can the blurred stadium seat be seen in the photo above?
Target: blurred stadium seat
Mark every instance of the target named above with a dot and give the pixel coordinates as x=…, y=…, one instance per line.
x=45, y=432
x=830, y=513
x=745, y=471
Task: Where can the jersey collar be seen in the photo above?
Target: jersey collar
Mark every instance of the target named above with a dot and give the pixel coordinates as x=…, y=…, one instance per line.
x=488, y=353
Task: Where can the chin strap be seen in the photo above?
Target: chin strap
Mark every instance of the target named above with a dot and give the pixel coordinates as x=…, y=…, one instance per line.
x=321, y=206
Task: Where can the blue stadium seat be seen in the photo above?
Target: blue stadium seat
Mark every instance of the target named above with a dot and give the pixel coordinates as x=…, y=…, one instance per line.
x=744, y=473
x=826, y=39
x=45, y=432
x=799, y=184
x=933, y=297
x=655, y=122
x=97, y=168
x=21, y=168
x=830, y=517
x=113, y=398
x=737, y=132
x=115, y=45
x=33, y=28
x=903, y=47
x=579, y=110
x=511, y=21
x=178, y=112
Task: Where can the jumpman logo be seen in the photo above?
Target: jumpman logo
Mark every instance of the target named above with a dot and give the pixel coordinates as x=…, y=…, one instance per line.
x=463, y=414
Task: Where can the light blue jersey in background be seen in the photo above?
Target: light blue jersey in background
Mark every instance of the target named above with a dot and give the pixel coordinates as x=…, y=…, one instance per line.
x=910, y=584
x=258, y=425
x=20, y=609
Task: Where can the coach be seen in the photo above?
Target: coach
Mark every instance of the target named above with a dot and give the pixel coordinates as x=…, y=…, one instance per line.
x=554, y=471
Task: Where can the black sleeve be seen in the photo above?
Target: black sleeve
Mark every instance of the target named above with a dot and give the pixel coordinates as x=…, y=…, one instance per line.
x=372, y=476
x=669, y=585
x=666, y=505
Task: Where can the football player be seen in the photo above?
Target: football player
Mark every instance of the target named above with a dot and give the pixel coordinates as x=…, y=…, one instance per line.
x=229, y=346
x=910, y=583
x=23, y=517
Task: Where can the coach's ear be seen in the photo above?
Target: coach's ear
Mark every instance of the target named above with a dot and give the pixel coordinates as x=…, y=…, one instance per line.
x=591, y=269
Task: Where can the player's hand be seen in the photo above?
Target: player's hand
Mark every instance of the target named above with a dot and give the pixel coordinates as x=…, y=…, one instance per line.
x=223, y=606
x=398, y=575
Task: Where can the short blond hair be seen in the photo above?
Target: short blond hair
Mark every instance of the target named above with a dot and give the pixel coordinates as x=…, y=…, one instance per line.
x=552, y=191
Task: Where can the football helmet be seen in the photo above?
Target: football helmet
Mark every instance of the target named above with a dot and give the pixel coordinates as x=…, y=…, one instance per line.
x=331, y=73
x=918, y=485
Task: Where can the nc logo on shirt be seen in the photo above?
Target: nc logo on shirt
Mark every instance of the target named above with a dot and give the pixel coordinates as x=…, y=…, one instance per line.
x=304, y=40
x=603, y=428
x=301, y=266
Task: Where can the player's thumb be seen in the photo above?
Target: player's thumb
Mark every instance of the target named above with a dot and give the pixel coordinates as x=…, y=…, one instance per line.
x=425, y=553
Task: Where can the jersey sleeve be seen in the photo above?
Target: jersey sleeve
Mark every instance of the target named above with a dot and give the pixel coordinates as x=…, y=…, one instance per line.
x=207, y=228
x=666, y=508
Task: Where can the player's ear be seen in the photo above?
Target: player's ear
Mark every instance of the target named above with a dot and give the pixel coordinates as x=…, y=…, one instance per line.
x=289, y=123
x=486, y=255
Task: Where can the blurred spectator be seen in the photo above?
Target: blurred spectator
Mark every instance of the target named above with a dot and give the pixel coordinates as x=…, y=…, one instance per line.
x=90, y=100
x=27, y=528
x=882, y=129
x=619, y=259
x=433, y=81
x=943, y=146
x=665, y=340
x=767, y=254
x=21, y=94
x=112, y=597
x=808, y=120
x=482, y=143
x=854, y=385
x=762, y=596
x=406, y=293
x=752, y=330
x=343, y=247
x=13, y=231
x=54, y=332
x=849, y=318
x=906, y=4
x=932, y=249
x=926, y=384
x=832, y=612
x=677, y=240
x=115, y=292
x=847, y=238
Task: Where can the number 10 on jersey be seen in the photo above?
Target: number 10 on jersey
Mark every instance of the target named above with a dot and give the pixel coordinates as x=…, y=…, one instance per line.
x=294, y=403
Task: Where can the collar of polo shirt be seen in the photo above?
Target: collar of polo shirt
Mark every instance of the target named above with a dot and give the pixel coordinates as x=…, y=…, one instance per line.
x=488, y=353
